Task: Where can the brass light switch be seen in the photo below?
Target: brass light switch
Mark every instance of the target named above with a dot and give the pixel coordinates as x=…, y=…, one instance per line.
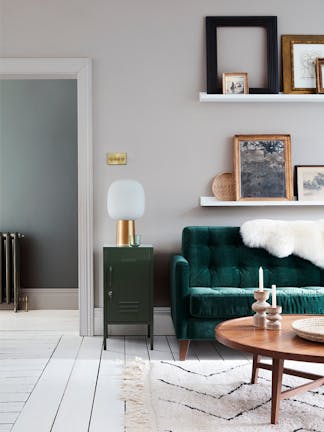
x=116, y=158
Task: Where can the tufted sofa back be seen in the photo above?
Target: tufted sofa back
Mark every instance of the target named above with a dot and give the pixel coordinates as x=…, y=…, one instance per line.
x=218, y=258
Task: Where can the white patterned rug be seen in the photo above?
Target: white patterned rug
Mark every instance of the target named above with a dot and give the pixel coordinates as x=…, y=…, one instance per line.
x=211, y=396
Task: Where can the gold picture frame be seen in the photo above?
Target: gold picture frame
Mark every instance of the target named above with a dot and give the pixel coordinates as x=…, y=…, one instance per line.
x=299, y=53
x=320, y=75
x=262, y=167
x=235, y=83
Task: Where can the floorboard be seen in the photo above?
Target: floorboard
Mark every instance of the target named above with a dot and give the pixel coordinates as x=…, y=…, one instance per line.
x=8, y=417
x=161, y=349
x=227, y=353
x=108, y=408
x=75, y=408
x=40, y=321
x=136, y=346
x=11, y=406
x=41, y=407
x=13, y=397
x=22, y=362
x=115, y=348
x=205, y=350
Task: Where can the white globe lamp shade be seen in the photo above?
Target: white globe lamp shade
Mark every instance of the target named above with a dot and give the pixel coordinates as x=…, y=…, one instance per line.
x=125, y=203
x=126, y=200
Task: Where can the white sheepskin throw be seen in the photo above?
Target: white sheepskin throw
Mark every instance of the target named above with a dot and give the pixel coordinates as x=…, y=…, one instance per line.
x=283, y=238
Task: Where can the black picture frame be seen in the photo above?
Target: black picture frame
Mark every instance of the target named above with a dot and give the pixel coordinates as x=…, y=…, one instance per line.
x=267, y=22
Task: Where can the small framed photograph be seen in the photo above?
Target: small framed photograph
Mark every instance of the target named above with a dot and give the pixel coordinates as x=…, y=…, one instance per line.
x=299, y=54
x=235, y=83
x=320, y=75
x=310, y=182
x=262, y=167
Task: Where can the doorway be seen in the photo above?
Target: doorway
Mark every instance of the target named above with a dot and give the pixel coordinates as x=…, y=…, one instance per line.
x=80, y=71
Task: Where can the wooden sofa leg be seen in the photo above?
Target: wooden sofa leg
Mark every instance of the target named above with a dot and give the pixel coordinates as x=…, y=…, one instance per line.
x=184, y=346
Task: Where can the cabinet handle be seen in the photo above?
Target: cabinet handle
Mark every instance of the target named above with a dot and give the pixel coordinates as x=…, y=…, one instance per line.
x=110, y=276
x=110, y=293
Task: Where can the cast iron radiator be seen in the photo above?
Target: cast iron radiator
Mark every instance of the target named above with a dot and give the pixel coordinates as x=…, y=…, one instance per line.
x=9, y=270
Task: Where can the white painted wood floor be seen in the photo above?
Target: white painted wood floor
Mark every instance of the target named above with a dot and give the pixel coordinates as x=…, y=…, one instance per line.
x=58, y=381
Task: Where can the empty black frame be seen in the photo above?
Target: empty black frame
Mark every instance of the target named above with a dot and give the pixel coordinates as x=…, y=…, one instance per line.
x=268, y=22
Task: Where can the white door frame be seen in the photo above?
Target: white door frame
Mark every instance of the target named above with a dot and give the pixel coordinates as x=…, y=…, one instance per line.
x=81, y=70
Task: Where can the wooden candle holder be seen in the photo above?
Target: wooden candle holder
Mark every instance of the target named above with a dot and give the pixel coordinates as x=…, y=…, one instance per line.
x=260, y=307
x=273, y=318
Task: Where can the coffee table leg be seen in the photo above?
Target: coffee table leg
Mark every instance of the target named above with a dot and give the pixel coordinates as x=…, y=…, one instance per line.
x=277, y=371
x=255, y=369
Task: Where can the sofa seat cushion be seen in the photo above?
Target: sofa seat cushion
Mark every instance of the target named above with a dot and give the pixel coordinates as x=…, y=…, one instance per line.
x=228, y=302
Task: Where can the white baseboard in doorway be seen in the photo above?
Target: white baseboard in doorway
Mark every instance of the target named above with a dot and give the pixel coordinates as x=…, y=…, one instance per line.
x=50, y=298
x=162, y=324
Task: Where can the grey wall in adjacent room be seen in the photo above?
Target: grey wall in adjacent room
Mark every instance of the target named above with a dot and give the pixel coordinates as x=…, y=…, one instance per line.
x=38, y=177
x=148, y=68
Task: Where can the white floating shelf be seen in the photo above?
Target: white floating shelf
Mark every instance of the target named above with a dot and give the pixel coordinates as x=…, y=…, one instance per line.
x=206, y=201
x=280, y=97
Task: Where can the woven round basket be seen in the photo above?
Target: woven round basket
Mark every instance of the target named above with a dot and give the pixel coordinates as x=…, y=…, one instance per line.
x=223, y=187
x=310, y=328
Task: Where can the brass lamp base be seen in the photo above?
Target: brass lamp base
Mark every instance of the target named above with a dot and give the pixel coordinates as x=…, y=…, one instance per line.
x=125, y=228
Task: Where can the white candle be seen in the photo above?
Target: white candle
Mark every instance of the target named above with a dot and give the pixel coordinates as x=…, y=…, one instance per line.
x=274, y=295
x=260, y=278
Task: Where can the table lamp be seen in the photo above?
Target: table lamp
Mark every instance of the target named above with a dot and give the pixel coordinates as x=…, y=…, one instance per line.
x=125, y=203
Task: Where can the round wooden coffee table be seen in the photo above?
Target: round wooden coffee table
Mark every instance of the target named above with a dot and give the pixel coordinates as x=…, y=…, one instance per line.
x=280, y=345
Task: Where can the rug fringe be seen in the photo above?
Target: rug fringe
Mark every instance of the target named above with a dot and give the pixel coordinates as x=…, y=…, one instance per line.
x=139, y=416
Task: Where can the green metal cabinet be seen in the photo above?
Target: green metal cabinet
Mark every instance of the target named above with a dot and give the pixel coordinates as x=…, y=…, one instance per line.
x=128, y=287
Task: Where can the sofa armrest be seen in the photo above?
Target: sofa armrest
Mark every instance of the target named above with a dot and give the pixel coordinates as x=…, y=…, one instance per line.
x=179, y=285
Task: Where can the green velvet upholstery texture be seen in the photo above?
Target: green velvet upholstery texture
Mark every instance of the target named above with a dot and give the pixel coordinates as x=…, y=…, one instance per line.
x=214, y=279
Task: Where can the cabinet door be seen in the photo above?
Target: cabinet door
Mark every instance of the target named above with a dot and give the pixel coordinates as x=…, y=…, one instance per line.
x=128, y=275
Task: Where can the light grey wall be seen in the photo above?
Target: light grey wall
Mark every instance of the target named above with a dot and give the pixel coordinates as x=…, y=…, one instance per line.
x=149, y=65
x=38, y=178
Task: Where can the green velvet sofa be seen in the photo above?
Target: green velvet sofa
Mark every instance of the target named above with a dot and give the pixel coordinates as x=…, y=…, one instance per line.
x=214, y=278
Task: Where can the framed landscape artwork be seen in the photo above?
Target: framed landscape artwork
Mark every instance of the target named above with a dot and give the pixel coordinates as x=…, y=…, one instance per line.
x=262, y=167
x=310, y=182
x=299, y=54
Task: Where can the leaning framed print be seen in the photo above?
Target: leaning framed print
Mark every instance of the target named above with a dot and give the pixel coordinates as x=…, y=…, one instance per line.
x=310, y=182
x=262, y=167
x=319, y=66
x=299, y=54
x=235, y=83
x=269, y=23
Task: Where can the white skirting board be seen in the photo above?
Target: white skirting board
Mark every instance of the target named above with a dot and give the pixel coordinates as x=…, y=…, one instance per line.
x=50, y=298
x=162, y=324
